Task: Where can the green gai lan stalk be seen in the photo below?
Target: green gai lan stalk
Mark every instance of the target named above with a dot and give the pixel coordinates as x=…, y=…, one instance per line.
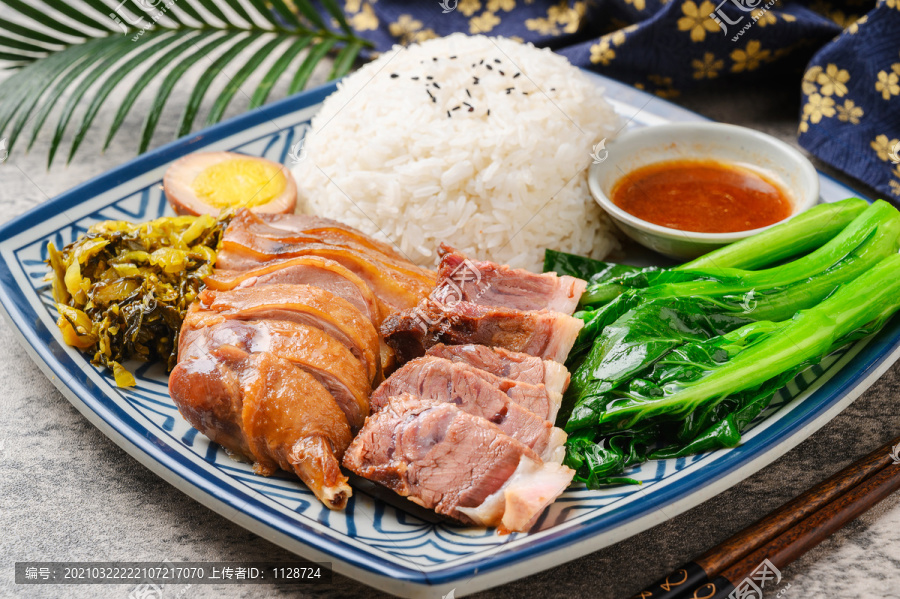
x=663, y=337
x=771, y=294
x=803, y=233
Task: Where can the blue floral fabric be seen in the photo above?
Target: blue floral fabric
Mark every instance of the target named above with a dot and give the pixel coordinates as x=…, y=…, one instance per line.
x=850, y=115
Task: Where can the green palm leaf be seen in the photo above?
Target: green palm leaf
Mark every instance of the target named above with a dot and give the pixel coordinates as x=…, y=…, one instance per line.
x=72, y=56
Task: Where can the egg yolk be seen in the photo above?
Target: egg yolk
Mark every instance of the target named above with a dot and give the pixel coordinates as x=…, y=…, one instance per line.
x=239, y=182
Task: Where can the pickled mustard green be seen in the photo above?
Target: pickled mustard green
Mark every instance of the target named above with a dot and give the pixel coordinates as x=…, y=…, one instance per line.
x=122, y=289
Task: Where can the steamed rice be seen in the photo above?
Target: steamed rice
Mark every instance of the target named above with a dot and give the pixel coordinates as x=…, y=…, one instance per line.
x=385, y=157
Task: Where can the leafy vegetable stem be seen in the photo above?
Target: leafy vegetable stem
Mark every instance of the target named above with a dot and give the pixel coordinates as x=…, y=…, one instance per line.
x=811, y=333
x=802, y=233
x=835, y=229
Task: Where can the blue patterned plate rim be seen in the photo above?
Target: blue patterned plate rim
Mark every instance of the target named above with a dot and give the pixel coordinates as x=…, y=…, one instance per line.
x=70, y=377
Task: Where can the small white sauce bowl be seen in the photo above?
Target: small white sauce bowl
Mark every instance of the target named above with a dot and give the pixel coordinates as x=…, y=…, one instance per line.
x=772, y=158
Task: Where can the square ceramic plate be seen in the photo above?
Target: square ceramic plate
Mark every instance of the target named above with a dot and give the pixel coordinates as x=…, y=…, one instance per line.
x=372, y=541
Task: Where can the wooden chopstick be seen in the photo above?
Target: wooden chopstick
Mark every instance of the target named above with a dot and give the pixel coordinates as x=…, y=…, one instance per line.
x=808, y=533
x=693, y=578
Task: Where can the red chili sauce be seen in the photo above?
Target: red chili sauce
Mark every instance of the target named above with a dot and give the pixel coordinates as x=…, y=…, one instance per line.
x=703, y=196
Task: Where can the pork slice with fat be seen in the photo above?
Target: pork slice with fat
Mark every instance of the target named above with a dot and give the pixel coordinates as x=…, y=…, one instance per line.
x=450, y=461
x=534, y=398
x=442, y=380
x=542, y=333
x=517, y=505
x=507, y=364
x=490, y=284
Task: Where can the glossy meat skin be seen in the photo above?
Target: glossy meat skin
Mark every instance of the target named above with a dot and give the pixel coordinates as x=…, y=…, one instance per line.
x=542, y=333
x=252, y=240
x=297, y=227
x=443, y=381
x=290, y=423
x=268, y=410
x=208, y=393
x=297, y=303
x=489, y=284
x=306, y=270
x=450, y=461
x=308, y=348
x=507, y=364
x=268, y=248
x=396, y=290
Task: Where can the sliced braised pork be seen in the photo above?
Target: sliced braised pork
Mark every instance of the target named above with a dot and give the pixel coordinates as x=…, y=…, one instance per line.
x=270, y=411
x=304, y=304
x=308, y=348
x=542, y=333
x=424, y=370
x=455, y=463
x=489, y=284
x=507, y=364
x=459, y=384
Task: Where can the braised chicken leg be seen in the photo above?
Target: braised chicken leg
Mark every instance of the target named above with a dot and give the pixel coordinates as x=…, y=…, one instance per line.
x=292, y=422
x=270, y=411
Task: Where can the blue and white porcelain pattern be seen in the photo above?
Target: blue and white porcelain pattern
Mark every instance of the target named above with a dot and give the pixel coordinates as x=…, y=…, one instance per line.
x=373, y=542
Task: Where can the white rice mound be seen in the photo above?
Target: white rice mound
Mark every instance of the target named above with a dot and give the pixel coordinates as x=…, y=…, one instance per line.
x=383, y=157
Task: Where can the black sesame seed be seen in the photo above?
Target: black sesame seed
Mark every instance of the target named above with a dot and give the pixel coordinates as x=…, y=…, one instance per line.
x=497, y=60
x=456, y=107
x=467, y=92
x=436, y=85
x=481, y=62
x=502, y=74
x=429, y=77
x=452, y=58
x=448, y=114
x=434, y=59
x=476, y=80
x=553, y=89
x=415, y=78
x=489, y=67
x=394, y=75
x=489, y=112
x=524, y=93
x=467, y=104
x=516, y=75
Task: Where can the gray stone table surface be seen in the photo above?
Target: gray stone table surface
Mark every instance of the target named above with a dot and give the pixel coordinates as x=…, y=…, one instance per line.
x=69, y=493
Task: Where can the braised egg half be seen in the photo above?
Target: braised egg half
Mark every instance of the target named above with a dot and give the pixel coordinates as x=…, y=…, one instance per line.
x=207, y=182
